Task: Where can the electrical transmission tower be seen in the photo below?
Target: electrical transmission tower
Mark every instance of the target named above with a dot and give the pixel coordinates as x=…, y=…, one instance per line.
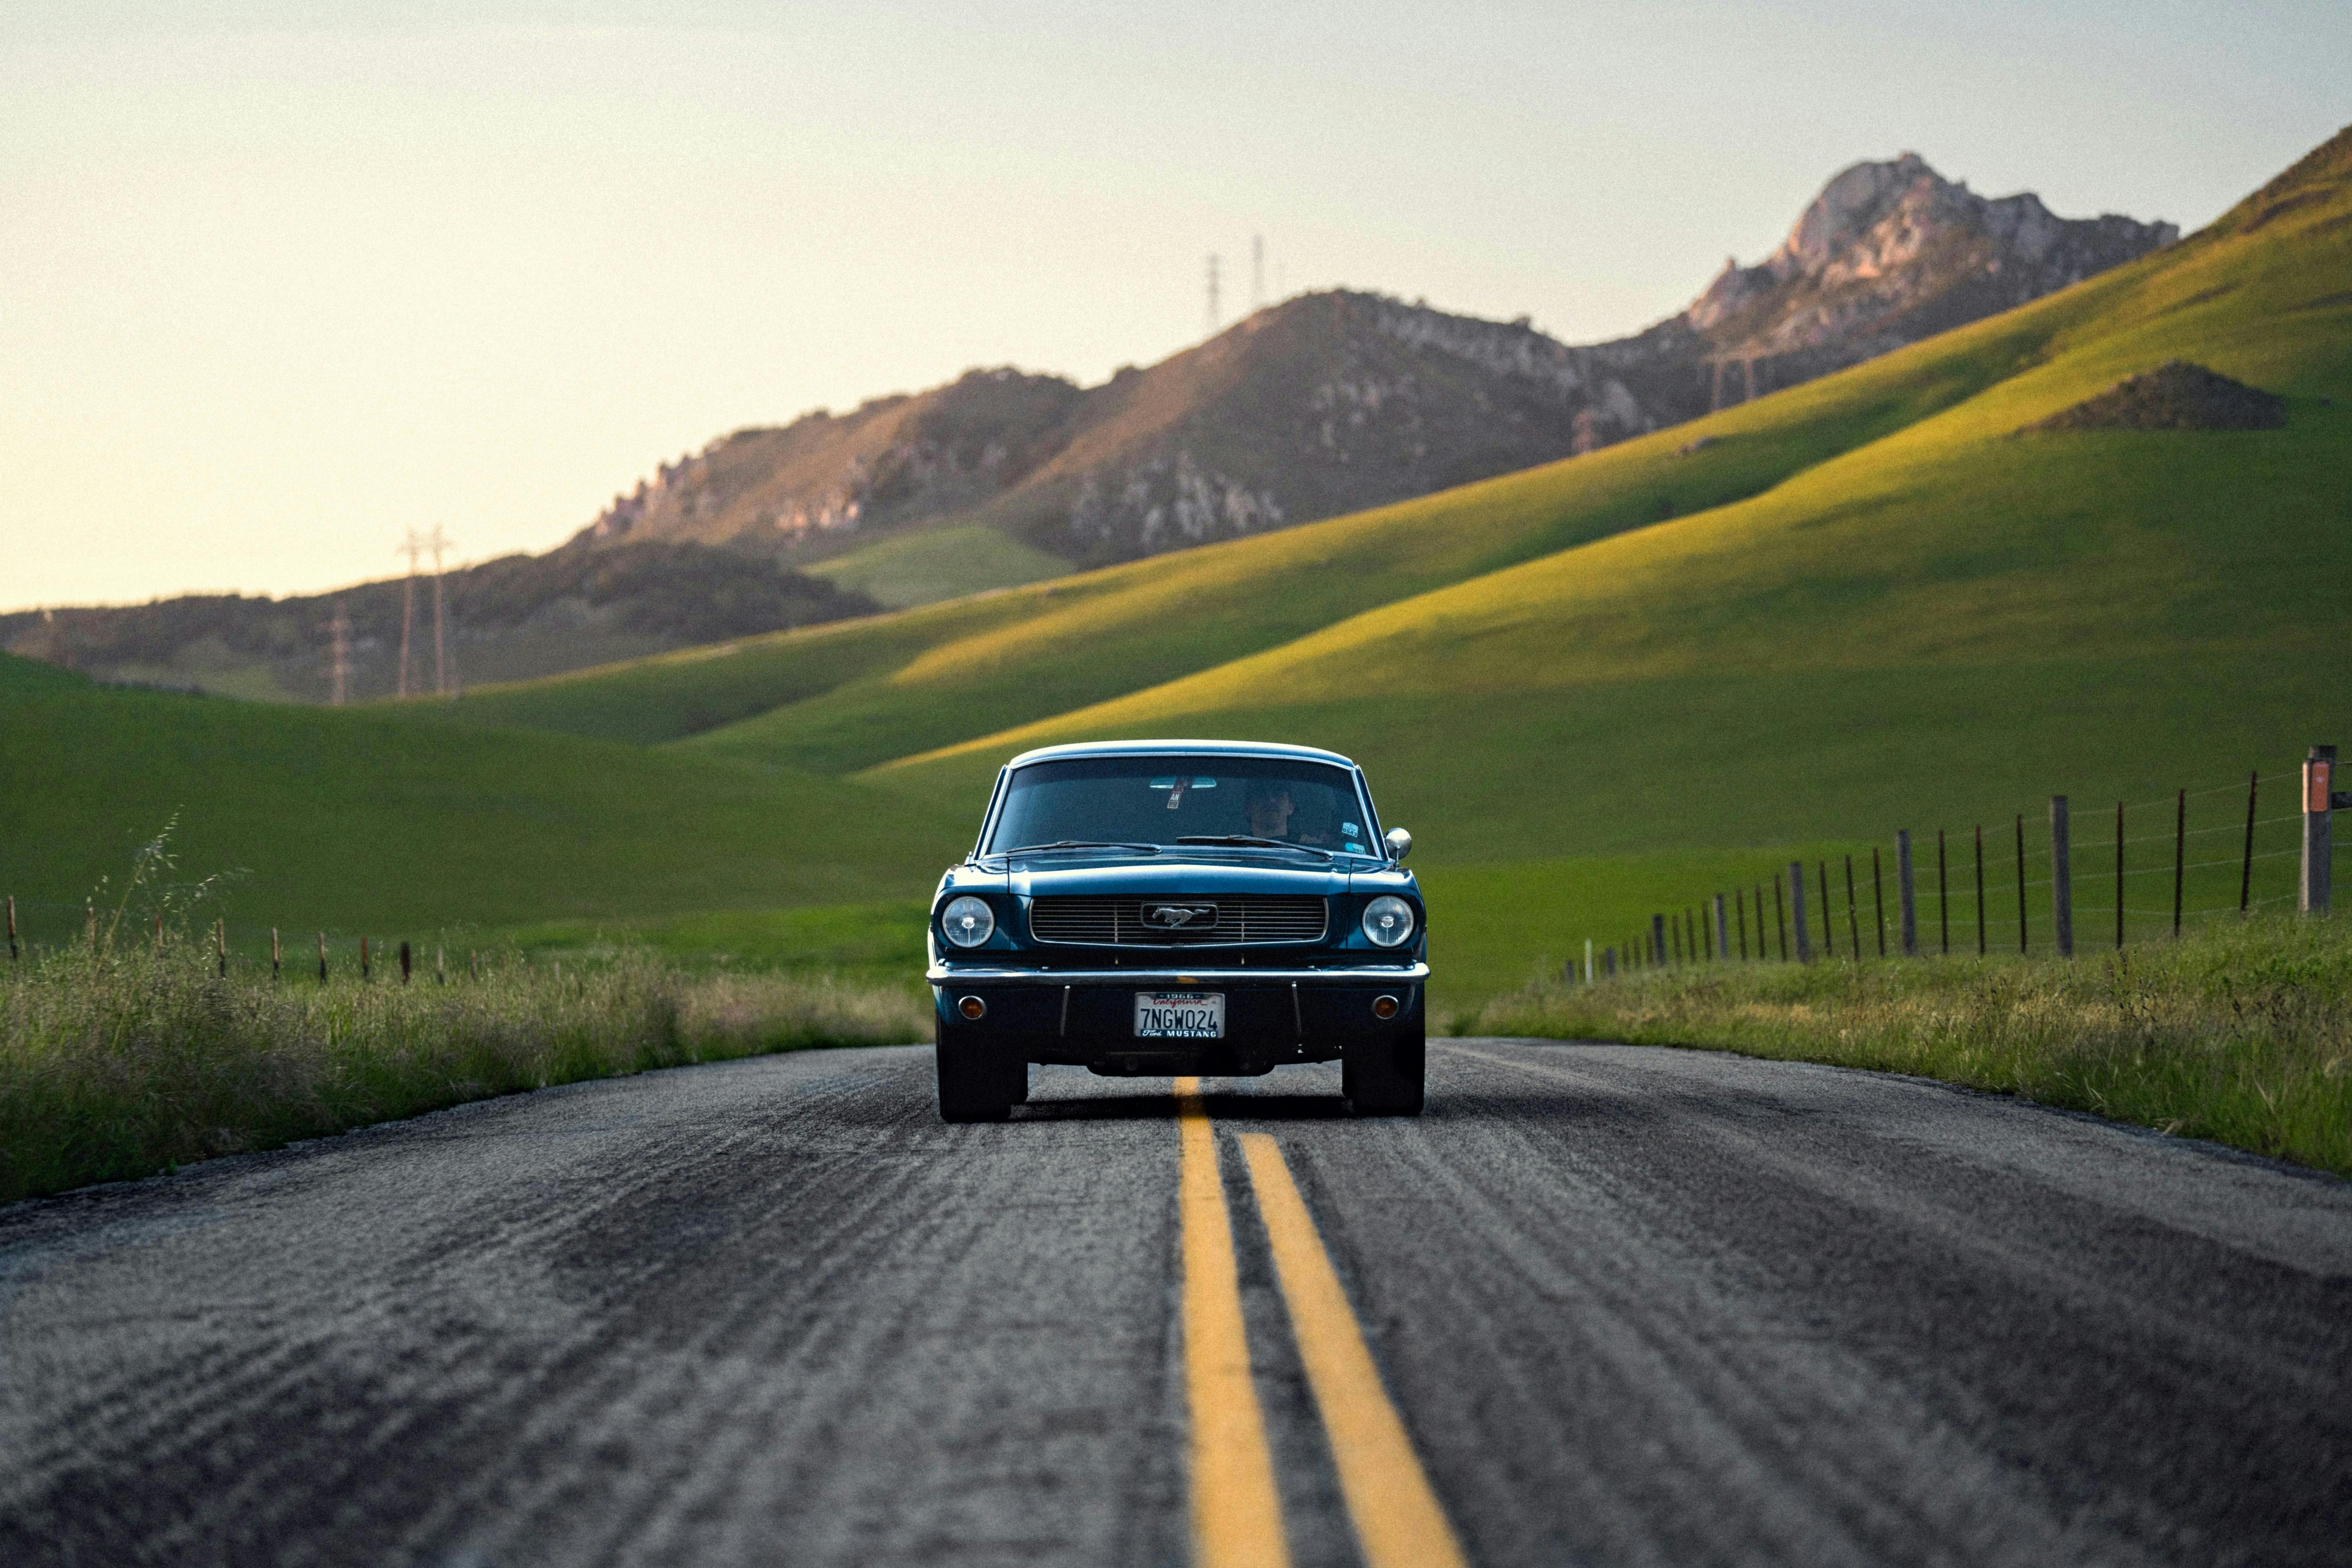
x=341, y=670
x=444, y=670
x=1212, y=291
x=411, y=547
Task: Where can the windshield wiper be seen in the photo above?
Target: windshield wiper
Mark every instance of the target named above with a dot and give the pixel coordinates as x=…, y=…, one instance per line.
x=1076, y=844
x=1246, y=841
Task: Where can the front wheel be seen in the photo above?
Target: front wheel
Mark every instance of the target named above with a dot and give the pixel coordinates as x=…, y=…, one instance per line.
x=1382, y=1076
x=980, y=1080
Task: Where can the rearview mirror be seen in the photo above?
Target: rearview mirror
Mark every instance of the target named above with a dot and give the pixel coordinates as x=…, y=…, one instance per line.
x=1400, y=843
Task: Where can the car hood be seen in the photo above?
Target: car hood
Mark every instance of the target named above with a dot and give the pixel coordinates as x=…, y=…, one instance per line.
x=1172, y=873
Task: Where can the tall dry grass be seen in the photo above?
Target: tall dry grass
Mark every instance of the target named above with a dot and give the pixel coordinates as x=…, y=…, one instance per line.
x=117, y=1063
x=2242, y=1034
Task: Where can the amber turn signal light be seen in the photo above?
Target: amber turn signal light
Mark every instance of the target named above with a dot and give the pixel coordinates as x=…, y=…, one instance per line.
x=972, y=1007
x=1384, y=1008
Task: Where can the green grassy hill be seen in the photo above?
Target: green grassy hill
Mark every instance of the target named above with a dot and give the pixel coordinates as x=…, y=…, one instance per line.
x=846, y=695
x=942, y=564
x=1938, y=626
x=354, y=820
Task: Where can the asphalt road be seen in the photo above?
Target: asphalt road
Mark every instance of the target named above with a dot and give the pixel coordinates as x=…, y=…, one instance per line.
x=1632, y=1306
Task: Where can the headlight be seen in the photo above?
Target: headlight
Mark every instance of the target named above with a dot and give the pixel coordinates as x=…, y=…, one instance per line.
x=969, y=922
x=1387, y=921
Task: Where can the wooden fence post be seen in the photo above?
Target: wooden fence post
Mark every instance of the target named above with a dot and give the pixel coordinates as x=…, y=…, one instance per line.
x=2179, y=856
x=1943, y=893
x=1780, y=919
x=1722, y=932
x=1906, y=894
x=2021, y=947
x=403, y=964
x=12, y=928
x=1878, y=900
x=277, y=957
x=2246, y=876
x=2318, y=832
x=1797, y=908
x=1588, y=960
x=1980, y=909
x=1658, y=941
x=2062, y=880
x=2119, y=876
x=1854, y=925
x=1609, y=962
x=322, y=958
x=364, y=971
x=220, y=945
x=1829, y=914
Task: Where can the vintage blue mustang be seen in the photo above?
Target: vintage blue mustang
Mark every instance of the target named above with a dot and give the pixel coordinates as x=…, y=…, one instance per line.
x=1180, y=907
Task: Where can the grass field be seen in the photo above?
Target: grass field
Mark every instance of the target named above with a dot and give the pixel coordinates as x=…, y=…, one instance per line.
x=130, y=1061
x=2242, y=1034
x=356, y=821
x=941, y=564
x=878, y=943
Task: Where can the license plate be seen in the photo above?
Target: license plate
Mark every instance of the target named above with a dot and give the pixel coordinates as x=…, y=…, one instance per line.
x=1180, y=1015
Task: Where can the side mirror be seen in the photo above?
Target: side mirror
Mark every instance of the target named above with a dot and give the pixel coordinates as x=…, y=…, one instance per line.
x=1400, y=843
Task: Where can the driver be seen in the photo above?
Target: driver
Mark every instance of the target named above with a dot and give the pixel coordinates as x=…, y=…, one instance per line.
x=1270, y=811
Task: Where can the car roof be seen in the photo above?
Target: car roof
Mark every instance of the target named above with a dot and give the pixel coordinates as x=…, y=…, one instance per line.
x=1167, y=748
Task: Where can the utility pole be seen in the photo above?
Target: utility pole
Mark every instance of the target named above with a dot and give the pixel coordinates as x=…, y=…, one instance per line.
x=411, y=547
x=1257, y=272
x=342, y=668
x=1212, y=291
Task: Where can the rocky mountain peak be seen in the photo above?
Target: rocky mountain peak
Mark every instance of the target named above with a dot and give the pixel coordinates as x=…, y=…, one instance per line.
x=1886, y=240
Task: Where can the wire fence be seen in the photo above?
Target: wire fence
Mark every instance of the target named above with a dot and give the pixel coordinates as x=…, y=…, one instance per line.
x=1995, y=886
x=290, y=952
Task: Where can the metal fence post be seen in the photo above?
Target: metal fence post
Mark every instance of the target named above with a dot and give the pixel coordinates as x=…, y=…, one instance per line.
x=1904, y=893
x=2318, y=840
x=1796, y=910
x=1829, y=923
x=2062, y=879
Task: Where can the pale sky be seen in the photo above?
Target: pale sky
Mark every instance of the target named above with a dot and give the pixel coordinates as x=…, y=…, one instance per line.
x=279, y=283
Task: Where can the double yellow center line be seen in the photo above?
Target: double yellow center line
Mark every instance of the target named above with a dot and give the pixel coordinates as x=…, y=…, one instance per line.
x=1236, y=1512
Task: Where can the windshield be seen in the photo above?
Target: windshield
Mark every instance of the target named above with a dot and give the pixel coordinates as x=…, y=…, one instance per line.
x=1145, y=801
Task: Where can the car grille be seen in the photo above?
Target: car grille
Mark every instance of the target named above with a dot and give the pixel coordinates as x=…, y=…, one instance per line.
x=1240, y=919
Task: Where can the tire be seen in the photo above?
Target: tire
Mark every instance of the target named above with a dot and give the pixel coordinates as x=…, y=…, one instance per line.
x=1382, y=1076
x=980, y=1080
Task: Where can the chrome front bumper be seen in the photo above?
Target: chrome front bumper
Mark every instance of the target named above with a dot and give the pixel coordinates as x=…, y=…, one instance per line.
x=1354, y=974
